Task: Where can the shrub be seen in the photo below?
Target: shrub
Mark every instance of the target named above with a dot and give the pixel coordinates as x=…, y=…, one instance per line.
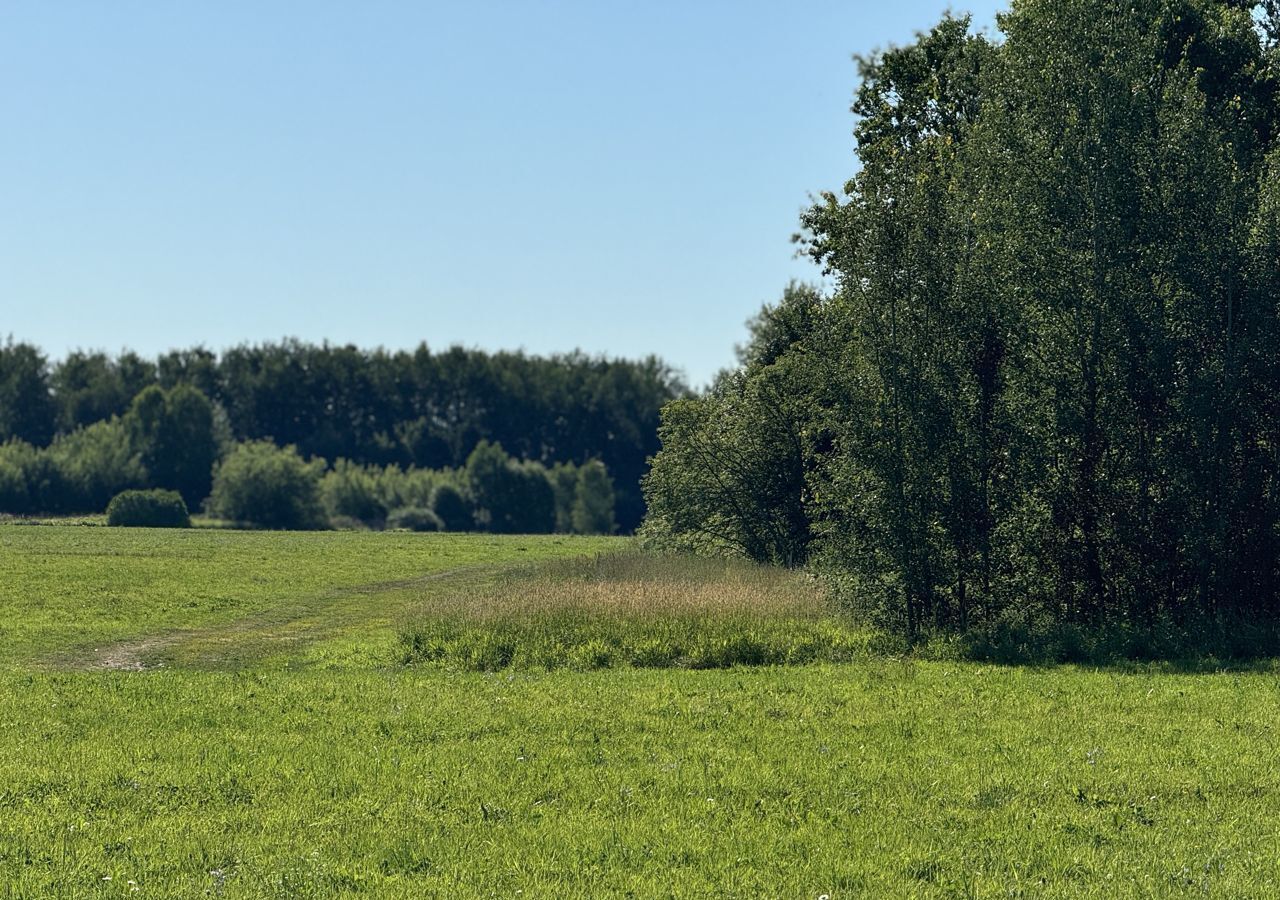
x=97, y=463
x=564, y=482
x=415, y=518
x=148, y=509
x=268, y=486
x=79, y=473
x=14, y=496
x=593, y=500
x=351, y=491
x=452, y=507
x=347, y=523
x=399, y=487
x=34, y=480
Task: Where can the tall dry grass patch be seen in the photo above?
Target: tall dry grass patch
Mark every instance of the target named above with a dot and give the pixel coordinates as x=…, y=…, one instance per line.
x=632, y=609
x=637, y=586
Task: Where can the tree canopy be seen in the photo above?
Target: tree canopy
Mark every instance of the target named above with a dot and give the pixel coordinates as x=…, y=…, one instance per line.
x=1046, y=381
x=410, y=408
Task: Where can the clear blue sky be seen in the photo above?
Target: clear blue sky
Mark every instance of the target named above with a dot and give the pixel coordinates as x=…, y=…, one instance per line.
x=620, y=177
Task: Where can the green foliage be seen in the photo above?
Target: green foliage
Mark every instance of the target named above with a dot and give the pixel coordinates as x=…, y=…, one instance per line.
x=592, y=511
x=416, y=411
x=452, y=507
x=564, y=482
x=79, y=473
x=1044, y=384
x=27, y=409
x=174, y=433
x=415, y=518
x=731, y=473
x=268, y=486
x=428, y=410
x=93, y=387
x=781, y=327
x=15, y=460
x=399, y=487
x=510, y=497
x=97, y=462
x=351, y=491
x=148, y=509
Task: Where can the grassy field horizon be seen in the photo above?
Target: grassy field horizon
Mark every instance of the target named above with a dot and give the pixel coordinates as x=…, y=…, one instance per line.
x=281, y=737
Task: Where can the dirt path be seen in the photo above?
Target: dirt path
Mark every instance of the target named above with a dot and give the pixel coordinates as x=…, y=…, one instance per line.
x=292, y=624
x=127, y=656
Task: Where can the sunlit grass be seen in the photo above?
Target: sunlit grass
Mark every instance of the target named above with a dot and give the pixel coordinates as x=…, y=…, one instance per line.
x=284, y=750
x=70, y=589
x=633, y=609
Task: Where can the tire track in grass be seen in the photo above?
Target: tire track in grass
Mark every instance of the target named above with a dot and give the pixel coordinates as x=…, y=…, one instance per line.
x=291, y=626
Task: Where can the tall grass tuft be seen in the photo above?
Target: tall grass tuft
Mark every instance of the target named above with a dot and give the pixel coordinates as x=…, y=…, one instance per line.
x=632, y=609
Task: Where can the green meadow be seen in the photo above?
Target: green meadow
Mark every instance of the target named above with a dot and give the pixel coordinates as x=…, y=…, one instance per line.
x=208, y=713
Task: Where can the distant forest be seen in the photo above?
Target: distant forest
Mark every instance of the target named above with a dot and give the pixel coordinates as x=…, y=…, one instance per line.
x=416, y=408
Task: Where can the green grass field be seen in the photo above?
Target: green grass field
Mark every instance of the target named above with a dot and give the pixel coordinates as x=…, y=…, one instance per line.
x=244, y=714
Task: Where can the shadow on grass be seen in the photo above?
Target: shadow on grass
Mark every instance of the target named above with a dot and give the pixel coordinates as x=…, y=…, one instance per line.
x=1167, y=647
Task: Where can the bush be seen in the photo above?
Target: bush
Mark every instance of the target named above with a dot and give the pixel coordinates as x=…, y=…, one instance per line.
x=564, y=482
x=452, y=507
x=14, y=495
x=415, y=518
x=347, y=523
x=34, y=480
x=351, y=491
x=268, y=486
x=97, y=463
x=593, y=500
x=148, y=509
x=79, y=473
x=398, y=488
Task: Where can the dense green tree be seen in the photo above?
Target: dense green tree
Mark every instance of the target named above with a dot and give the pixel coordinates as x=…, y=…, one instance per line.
x=564, y=482
x=17, y=459
x=420, y=409
x=33, y=480
x=1044, y=387
x=197, y=367
x=268, y=486
x=731, y=474
x=780, y=327
x=97, y=462
x=28, y=411
x=509, y=497
x=351, y=491
x=452, y=507
x=92, y=387
x=174, y=433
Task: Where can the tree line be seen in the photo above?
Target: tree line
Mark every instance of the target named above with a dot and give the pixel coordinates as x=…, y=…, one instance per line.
x=1046, y=385
x=409, y=409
